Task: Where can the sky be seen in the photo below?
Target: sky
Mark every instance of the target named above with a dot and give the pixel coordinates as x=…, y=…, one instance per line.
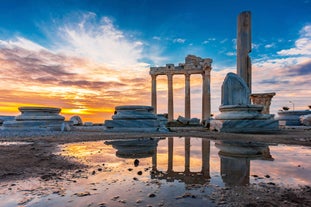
x=88, y=56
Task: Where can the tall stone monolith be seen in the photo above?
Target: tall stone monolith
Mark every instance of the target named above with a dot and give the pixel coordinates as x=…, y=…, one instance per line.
x=244, y=47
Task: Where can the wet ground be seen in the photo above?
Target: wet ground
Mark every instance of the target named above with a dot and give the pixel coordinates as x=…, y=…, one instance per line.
x=160, y=171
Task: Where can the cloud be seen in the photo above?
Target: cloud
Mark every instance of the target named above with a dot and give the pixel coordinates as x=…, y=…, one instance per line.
x=94, y=67
x=270, y=45
x=101, y=42
x=302, y=44
x=179, y=40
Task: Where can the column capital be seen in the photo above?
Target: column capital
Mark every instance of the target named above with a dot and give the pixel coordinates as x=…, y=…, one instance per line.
x=154, y=75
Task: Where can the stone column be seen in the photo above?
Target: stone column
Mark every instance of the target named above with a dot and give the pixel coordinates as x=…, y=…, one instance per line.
x=187, y=154
x=187, y=96
x=154, y=93
x=263, y=99
x=206, y=95
x=244, y=46
x=170, y=97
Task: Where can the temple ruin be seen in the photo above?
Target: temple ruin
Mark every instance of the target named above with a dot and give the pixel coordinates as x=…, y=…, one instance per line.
x=192, y=65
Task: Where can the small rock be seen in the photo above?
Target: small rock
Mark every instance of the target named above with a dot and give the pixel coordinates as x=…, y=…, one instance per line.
x=139, y=173
x=151, y=195
x=267, y=176
x=82, y=194
x=136, y=162
x=130, y=169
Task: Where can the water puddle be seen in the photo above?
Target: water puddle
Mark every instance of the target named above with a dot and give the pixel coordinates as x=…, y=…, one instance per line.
x=169, y=171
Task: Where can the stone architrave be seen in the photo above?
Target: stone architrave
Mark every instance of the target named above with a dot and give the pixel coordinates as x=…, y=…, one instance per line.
x=263, y=99
x=32, y=117
x=244, y=46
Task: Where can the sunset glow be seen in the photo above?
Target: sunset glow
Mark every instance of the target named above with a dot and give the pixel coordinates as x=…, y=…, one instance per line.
x=87, y=58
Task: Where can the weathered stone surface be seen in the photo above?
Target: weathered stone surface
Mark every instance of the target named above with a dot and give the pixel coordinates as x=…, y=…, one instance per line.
x=194, y=121
x=76, y=121
x=44, y=118
x=234, y=91
x=244, y=47
x=237, y=114
x=245, y=126
x=134, y=118
x=183, y=120
x=263, y=99
x=306, y=120
x=6, y=118
x=292, y=118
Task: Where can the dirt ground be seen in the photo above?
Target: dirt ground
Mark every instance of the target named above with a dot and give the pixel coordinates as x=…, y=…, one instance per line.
x=19, y=162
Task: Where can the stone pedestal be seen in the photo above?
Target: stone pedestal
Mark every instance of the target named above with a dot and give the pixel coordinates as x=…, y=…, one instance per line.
x=237, y=114
x=292, y=118
x=46, y=118
x=263, y=99
x=134, y=118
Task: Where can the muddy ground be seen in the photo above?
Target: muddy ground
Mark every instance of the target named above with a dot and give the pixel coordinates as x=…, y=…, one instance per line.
x=21, y=162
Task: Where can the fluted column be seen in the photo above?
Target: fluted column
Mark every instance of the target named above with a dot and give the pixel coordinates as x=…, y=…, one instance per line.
x=154, y=93
x=170, y=97
x=187, y=96
x=206, y=95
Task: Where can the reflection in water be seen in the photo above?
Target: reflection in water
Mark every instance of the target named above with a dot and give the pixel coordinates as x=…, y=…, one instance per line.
x=134, y=148
x=185, y=176
x=170, y=171
x=235, y=160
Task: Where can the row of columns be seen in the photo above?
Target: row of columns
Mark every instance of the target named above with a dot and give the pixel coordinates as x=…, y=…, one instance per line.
x=206, y=94
x=205, y=156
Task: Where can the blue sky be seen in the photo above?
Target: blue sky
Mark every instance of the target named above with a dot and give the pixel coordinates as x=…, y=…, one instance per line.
x=82, y=46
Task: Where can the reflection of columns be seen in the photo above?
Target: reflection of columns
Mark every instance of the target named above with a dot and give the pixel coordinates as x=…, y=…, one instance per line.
x=206, y=95
x=187, y=154
x=154, y=93
x=154, y=159
x=170, y=97
x=205, y=157
x=187, y=96
x=170, y=154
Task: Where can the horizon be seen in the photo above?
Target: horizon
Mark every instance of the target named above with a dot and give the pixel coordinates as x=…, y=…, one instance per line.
x=86, y=58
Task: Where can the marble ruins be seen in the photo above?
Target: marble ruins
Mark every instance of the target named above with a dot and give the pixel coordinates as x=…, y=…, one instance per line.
x=38, y=118
x=192, y=65
x=237, y=112
x=134, y=118
x=294, y=117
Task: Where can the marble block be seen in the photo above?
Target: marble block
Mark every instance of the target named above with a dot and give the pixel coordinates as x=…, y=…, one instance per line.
x=134, y=118
x=31, y=117
x=245, y=126
x=292, y=118
x=306, y=120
